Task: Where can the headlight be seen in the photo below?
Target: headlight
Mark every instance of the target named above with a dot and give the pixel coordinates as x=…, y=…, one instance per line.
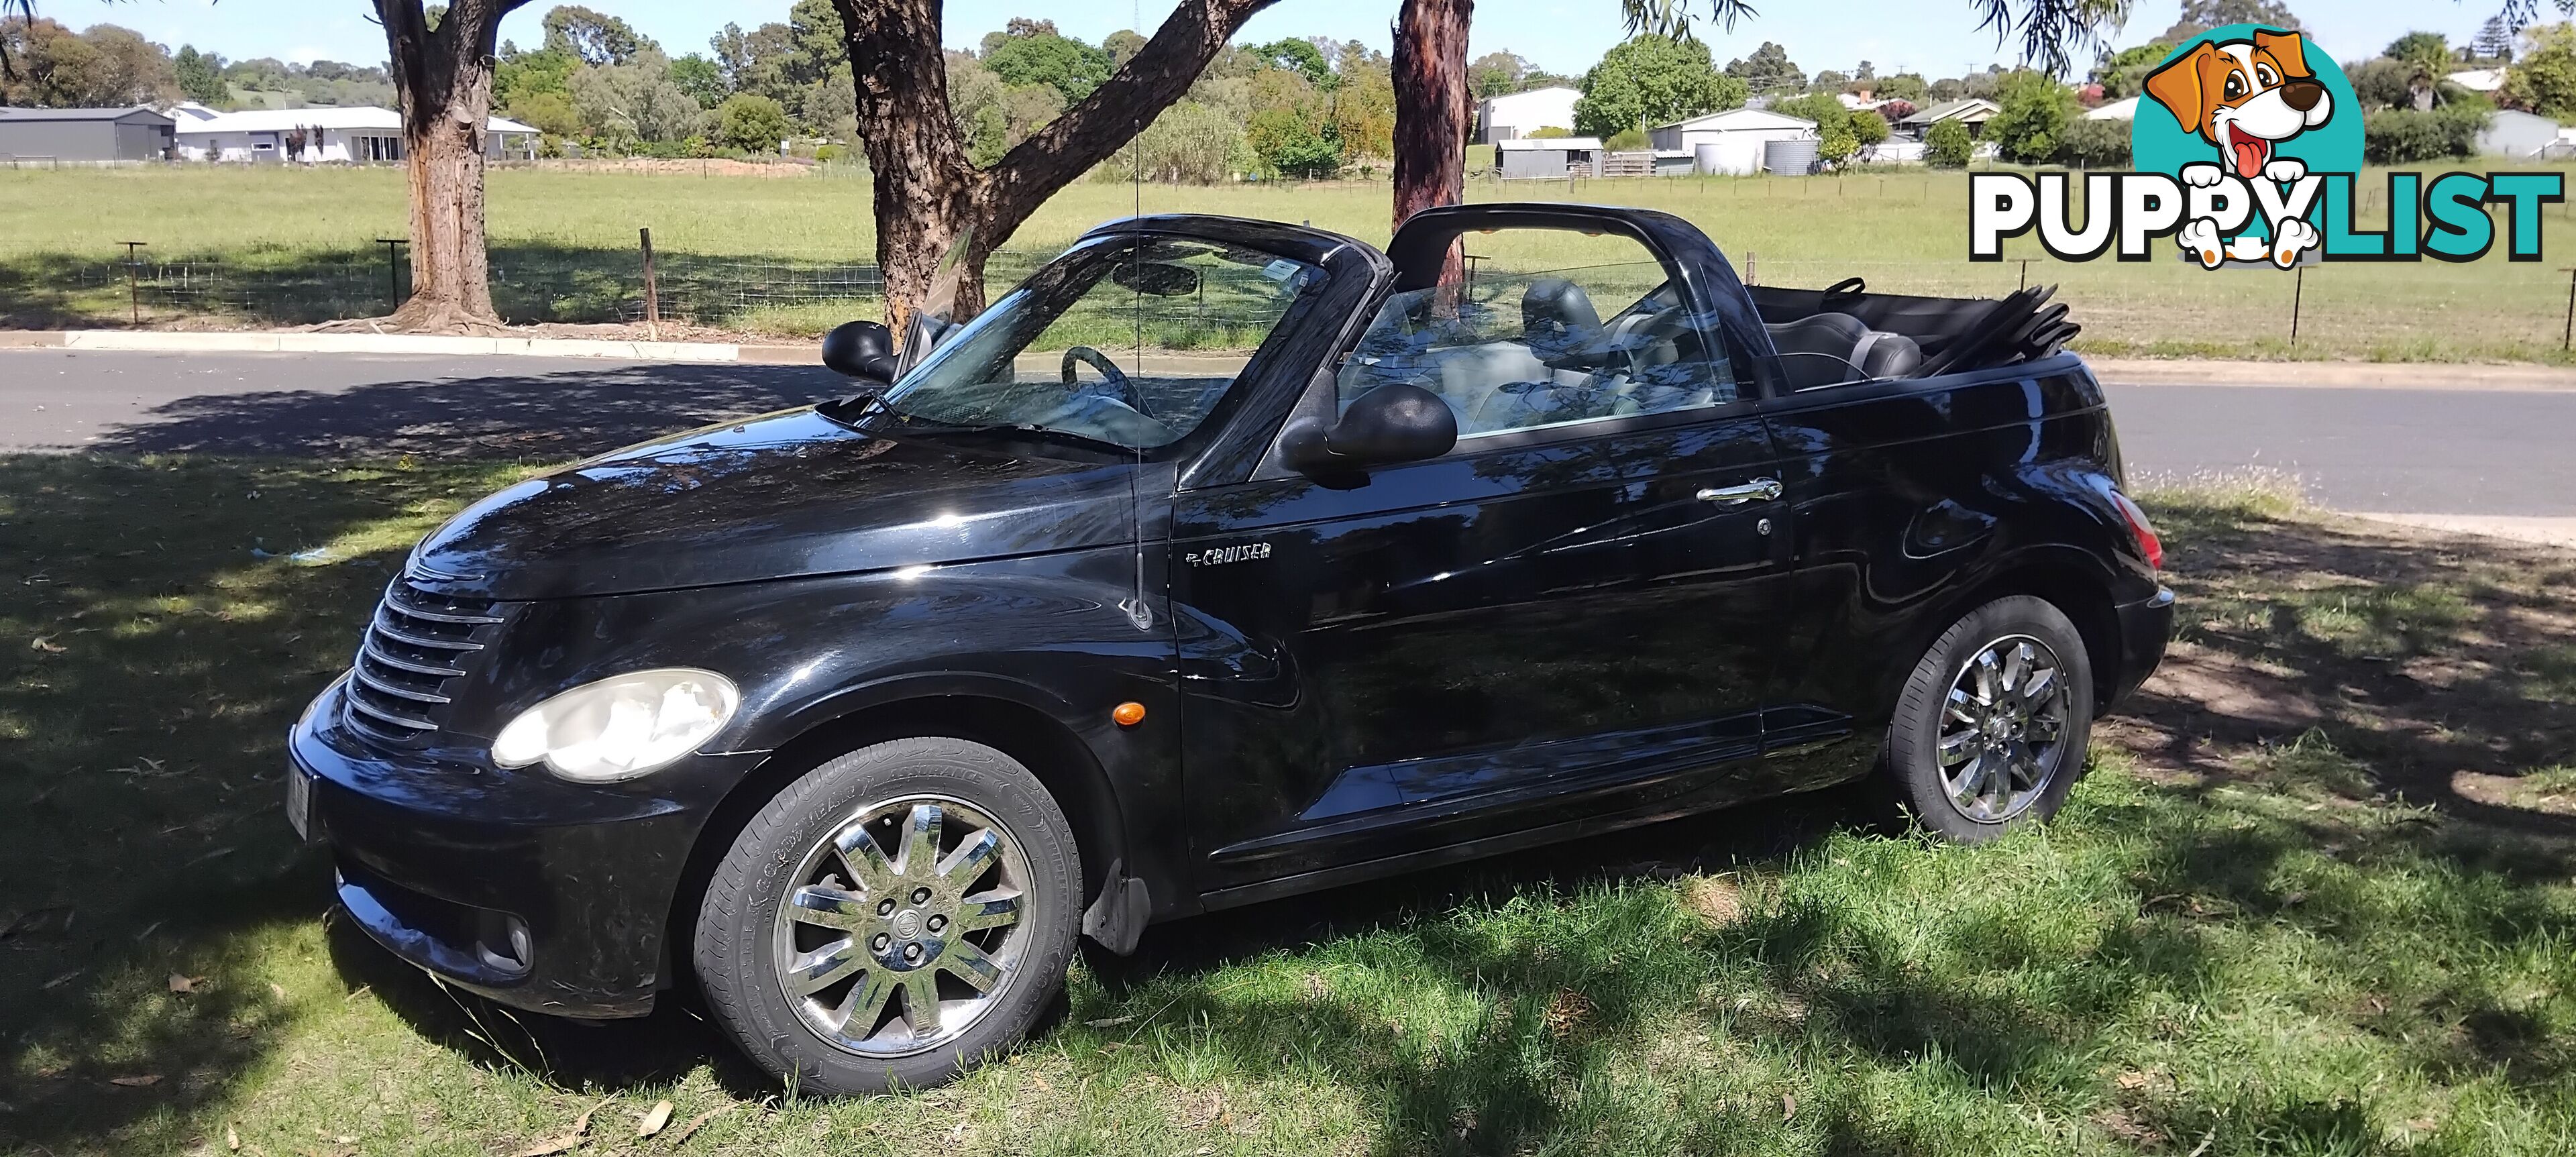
x=621, y=727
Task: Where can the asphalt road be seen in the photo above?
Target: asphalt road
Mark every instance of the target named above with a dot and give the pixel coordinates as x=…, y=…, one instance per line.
x=2441, y=452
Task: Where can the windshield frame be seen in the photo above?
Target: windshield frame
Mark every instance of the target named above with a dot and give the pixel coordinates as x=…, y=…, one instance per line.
x=887, y=415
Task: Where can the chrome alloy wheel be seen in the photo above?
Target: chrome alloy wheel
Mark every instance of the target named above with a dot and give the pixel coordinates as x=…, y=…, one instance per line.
x=902, y=928
x=2003, y=728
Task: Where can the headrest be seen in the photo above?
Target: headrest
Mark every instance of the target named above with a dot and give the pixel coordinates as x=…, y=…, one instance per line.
x=1553, y=307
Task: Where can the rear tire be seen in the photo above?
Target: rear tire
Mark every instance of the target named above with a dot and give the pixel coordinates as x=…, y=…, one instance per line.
x=892, y=918
x=1992, y=729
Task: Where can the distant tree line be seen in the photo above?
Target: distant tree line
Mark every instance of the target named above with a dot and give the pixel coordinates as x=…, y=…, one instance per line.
x=106, y=65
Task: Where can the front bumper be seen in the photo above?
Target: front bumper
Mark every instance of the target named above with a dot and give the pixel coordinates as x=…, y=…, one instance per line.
x=541, y=894
x=2145, y=626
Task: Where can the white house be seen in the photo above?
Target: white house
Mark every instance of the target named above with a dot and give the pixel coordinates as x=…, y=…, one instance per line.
x=1503, y=118
x=2486, y=80
x=1730, y=141
x=361, y=135
x=2125, y=109
x=2522, y=135
x=1972, y=111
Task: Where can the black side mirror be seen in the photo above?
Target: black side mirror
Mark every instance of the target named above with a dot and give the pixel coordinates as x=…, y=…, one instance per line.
x=1392, y=423
x=861, y=349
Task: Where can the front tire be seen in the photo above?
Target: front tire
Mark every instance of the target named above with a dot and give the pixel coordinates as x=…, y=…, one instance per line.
x=1993, y=726
x=892, y=918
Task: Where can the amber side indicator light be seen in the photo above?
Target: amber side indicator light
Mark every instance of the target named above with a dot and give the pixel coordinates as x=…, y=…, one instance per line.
x=1128, y=714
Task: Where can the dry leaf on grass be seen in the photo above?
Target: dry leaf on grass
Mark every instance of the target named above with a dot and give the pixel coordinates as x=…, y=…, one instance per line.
x=1567, y=1014
x=1788, y=1107
x=653, y=1120
x=136, y=1082
x=186, y=984
x=568, y=1141
x=232, y=1138
x=277, y=990
x=692, y=1127
x=1109, y=1021
x=47, y=646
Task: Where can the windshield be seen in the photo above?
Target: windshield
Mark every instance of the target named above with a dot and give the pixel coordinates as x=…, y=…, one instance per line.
x=1131, y=341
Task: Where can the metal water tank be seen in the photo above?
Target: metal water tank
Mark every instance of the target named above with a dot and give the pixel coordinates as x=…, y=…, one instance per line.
x=1795, y=158
x=1708, y=158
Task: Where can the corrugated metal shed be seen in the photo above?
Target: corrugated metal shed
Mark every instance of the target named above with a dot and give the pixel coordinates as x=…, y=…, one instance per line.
x=133, y=133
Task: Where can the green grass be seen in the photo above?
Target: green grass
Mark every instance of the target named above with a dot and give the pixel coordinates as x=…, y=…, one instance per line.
x=2283, y=941
x=567, y=242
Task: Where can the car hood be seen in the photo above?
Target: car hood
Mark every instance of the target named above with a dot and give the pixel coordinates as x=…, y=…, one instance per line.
x=777, y=496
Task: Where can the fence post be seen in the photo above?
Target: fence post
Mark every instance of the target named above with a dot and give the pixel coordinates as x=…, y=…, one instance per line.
x=1752, y=268
x=2568, y=340
x=2025, y=273
x=133, y=290
x=393, y=271
x=2298, y=290
x=652, y=290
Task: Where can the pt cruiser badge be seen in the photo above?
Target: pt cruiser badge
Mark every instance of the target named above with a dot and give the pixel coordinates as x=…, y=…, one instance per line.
x=1219, y=556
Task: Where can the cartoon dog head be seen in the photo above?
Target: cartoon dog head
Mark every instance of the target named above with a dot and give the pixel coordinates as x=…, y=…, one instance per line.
x=2244, y=96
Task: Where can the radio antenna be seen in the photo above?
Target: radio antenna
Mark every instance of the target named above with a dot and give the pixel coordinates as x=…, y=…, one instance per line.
x=1139, y=611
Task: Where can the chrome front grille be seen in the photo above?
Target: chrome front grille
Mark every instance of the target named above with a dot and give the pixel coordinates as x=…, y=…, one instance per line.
x=419, y=645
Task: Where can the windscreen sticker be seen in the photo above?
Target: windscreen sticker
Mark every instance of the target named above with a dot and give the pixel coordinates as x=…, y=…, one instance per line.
x=1280, y=270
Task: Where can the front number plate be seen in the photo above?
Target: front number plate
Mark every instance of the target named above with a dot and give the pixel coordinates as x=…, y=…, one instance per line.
x=299, y=801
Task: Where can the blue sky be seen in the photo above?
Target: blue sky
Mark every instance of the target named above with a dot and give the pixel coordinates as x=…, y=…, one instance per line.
x=1938, y=39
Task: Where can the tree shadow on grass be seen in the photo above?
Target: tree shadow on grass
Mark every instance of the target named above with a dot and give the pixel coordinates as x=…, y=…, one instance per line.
x=154, y=656
x=141, y=767
x=2422, y=660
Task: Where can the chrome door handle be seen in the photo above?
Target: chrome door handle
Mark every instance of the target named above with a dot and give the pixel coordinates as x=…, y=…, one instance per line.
x=1758, y=490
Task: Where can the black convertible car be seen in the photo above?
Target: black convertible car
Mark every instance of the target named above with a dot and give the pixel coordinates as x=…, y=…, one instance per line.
x=1222, y=560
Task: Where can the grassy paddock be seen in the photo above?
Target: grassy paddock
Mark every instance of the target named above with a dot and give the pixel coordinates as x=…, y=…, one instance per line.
x=2292, y=911
x=566, y=243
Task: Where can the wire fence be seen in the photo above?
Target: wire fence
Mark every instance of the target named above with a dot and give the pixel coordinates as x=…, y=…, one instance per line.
x=530, y=284
x=2414, y=311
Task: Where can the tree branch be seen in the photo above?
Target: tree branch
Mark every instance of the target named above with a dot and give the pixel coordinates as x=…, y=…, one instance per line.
x=1159, y=74
x=2050, y=28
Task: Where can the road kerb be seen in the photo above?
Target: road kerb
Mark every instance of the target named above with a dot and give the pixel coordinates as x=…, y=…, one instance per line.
x=2333, y=375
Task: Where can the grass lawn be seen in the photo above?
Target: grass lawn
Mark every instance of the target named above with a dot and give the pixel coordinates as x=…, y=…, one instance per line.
x=2315, y=898
x=756, y=253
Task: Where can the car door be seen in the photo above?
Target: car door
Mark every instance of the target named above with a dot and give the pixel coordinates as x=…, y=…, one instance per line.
x=1548, y=624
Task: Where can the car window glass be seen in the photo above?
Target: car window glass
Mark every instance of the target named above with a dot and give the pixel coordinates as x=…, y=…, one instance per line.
x=1546, y=327
x=1127, y=341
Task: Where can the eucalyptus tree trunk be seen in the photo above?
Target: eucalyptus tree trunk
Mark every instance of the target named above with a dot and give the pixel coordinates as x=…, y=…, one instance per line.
x=928, y=193
x=1430, y=75
x=444, y=80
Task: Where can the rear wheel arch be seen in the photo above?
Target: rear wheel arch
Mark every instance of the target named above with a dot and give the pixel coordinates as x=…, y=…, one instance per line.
x=2082, y=595
x=1038, y=741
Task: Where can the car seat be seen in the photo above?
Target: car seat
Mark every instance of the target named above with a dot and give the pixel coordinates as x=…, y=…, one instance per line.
x=1829, y=348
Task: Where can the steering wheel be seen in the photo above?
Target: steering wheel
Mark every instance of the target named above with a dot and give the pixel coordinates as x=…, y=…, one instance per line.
x=1112, y=378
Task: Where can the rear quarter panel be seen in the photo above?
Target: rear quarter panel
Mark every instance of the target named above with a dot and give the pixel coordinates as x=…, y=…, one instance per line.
x=1915, y=501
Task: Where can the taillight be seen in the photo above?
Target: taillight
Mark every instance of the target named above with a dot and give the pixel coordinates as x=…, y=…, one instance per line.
x=2149, y=545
